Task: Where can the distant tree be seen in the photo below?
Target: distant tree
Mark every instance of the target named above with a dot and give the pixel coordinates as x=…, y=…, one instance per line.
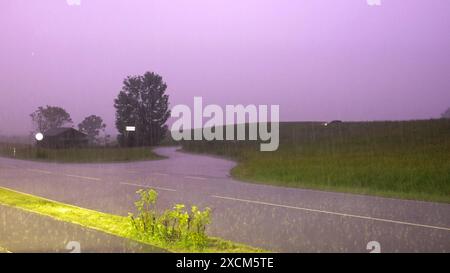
x=92, y=126
x=142, y=103
x=49, y=117
x=446, y=114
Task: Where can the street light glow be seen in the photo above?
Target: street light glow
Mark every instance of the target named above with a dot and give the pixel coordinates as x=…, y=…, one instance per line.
x=39, y=136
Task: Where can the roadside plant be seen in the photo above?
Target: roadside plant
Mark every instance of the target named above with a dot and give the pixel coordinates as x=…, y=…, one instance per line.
x=178, y=225
x=145, y=222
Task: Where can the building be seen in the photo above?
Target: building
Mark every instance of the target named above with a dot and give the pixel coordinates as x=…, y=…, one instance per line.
x=63, y=138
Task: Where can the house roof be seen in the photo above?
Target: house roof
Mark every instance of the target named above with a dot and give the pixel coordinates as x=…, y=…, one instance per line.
x=61, y=130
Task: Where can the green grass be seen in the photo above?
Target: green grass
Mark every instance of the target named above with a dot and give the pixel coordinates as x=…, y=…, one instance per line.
x=81, y=155
x=403, y=159
x=108, y=223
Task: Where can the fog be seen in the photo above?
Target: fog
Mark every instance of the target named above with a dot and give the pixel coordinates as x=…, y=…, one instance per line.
x=319, y=60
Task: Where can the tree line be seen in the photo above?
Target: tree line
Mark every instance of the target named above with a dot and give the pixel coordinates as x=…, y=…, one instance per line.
x=142, y=103
x=50, y=117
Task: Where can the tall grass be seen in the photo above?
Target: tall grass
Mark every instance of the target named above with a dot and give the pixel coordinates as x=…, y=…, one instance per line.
x=81, y=155
x=176, y=226
x=404, y=159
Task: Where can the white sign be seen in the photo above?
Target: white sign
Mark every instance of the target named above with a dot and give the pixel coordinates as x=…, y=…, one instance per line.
x=130, y=128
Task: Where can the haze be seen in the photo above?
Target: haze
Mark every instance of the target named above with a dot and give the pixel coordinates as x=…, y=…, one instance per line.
x=317, y=59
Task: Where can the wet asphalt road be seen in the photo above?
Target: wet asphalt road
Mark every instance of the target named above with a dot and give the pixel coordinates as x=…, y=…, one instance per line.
x=275, y=218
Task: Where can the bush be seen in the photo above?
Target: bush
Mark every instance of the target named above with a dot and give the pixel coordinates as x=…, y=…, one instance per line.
x=173, y=226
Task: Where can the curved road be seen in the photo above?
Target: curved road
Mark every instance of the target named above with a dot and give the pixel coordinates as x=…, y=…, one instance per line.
x=274, y=218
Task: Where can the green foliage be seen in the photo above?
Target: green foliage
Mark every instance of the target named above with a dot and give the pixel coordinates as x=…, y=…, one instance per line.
x=142, y=103
x=49, y=117
x=176, y=226
x=402, y=159
x=109, y=223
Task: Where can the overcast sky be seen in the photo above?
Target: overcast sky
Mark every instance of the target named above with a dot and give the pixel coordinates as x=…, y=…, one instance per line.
x=317, y=59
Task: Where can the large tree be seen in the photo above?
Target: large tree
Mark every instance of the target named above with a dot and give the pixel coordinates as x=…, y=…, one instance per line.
x=49, y=117
x=142, y=103
x=91, y=126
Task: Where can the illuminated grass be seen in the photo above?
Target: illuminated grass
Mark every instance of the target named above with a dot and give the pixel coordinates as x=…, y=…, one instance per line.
x=108, y=223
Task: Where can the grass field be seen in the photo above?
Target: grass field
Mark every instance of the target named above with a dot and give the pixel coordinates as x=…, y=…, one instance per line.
x=403, y=159
x=83, y=155
x=108, y=223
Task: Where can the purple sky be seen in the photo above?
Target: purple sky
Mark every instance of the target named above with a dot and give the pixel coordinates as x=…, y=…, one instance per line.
x=318, y=59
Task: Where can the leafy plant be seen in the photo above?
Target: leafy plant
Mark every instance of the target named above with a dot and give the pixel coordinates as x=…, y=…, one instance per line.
x=145, y=222
x=173, y=226
x=41, y=154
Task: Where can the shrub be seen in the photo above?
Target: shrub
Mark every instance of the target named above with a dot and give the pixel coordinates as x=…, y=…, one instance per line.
x=173, y=226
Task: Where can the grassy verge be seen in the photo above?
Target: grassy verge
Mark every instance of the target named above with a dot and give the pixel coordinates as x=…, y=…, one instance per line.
x=108, y=223
x=82, y=155
x=404, y=159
